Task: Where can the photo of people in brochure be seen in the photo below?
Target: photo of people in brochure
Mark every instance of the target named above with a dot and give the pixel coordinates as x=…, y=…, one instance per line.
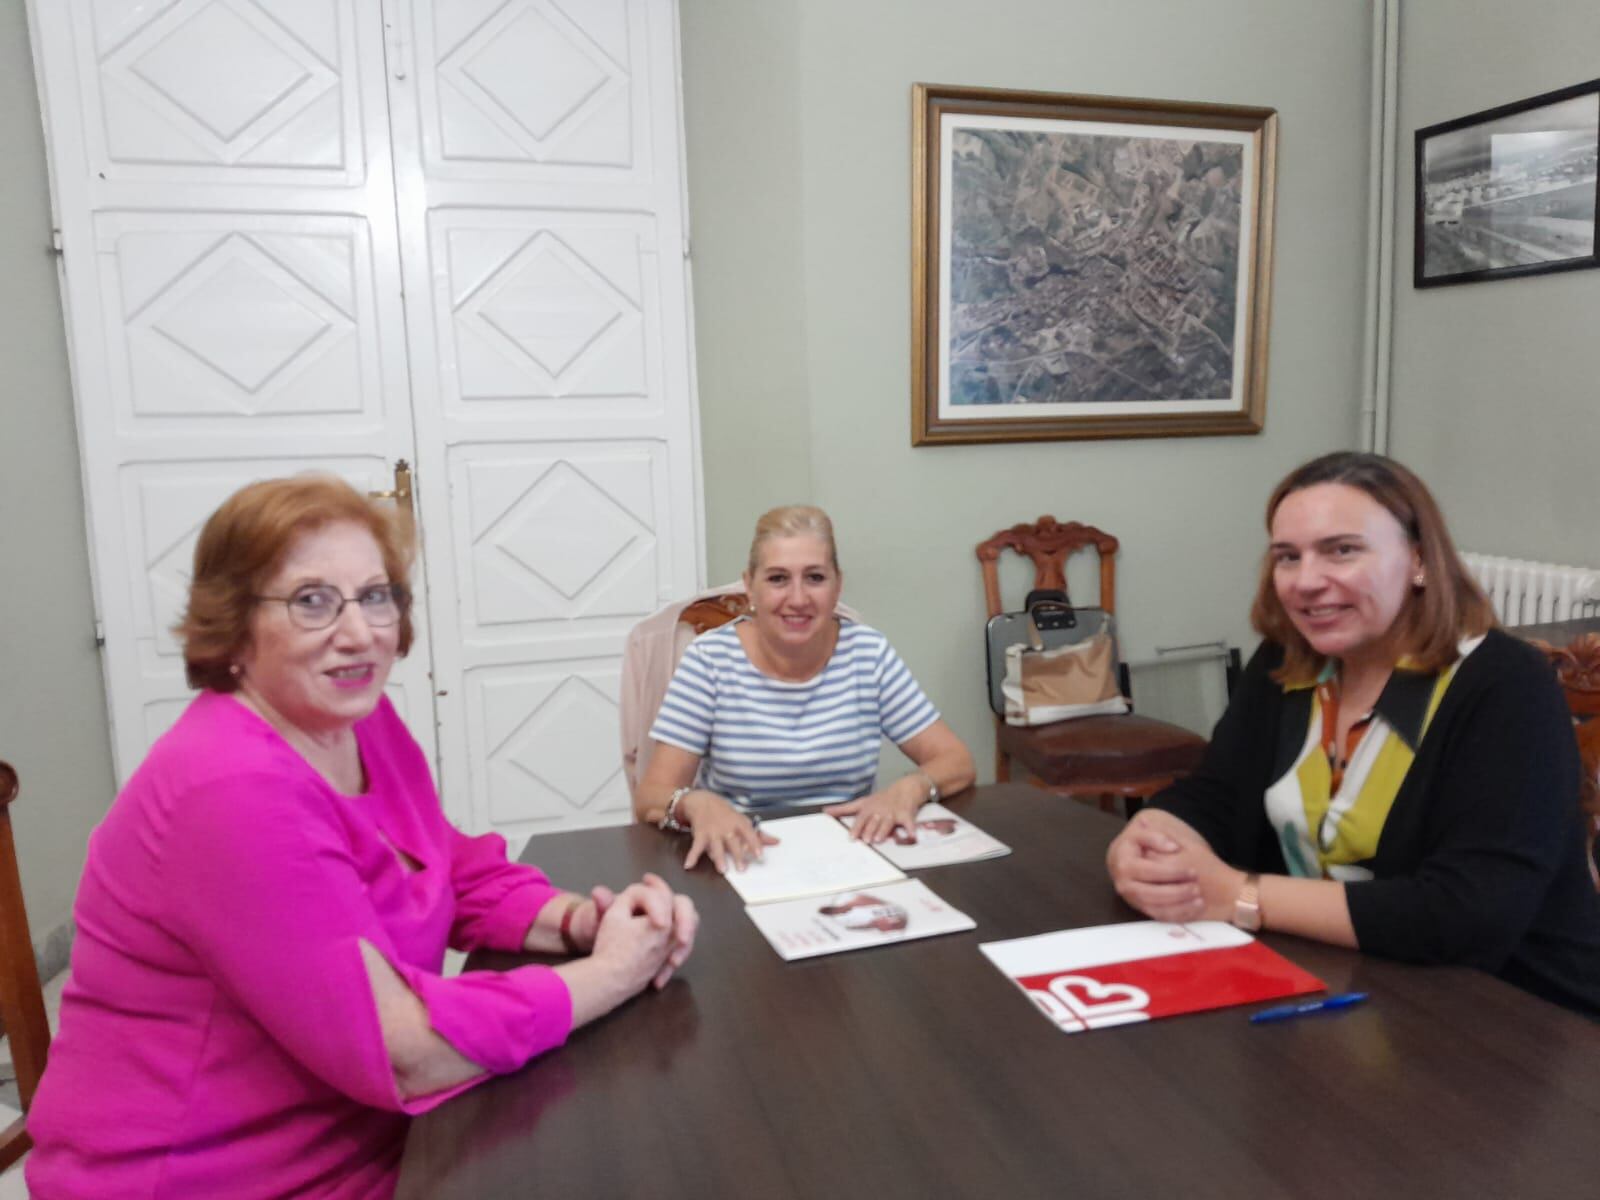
x=855, y=920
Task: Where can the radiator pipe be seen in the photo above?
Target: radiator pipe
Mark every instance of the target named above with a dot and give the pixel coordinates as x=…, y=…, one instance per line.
x=1378, y=337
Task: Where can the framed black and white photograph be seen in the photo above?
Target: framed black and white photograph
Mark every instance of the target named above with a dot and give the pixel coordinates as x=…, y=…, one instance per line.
x=1088, y=266
x=1510, y=191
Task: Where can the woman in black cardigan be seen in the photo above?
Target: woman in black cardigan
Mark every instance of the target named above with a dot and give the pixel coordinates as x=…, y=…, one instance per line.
x=1393, y=772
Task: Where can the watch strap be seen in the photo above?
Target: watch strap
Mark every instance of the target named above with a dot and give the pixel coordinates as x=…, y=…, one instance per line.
x=1247, y=906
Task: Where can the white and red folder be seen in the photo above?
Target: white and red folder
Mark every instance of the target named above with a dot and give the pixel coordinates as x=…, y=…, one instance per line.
x=1142, y=970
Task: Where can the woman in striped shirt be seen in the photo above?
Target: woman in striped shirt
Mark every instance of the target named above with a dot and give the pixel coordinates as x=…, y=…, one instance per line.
x=789, y=705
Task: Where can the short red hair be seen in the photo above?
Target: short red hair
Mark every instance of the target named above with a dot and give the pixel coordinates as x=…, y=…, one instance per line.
x=242, y=546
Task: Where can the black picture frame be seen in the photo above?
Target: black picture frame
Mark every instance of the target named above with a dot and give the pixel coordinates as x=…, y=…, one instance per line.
x=1527, y=206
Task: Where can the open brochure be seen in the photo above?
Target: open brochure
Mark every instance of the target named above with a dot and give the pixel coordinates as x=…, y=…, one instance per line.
x=1139, y=971
x=942, y=838
x=851, y=920
x=814, y=856
x=818, y=892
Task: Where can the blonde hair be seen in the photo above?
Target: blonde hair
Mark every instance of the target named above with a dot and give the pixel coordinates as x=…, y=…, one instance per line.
x=1451, y=605
x=793, y=520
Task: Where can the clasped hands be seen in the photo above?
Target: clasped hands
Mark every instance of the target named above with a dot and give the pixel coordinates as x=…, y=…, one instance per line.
x=1167, y=871
x=645, y=930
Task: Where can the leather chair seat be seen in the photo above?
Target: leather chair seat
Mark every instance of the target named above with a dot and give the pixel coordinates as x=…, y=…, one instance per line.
x=1103, y=751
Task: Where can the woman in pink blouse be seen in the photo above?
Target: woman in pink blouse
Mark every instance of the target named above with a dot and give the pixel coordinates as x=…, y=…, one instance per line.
x=256, y=1004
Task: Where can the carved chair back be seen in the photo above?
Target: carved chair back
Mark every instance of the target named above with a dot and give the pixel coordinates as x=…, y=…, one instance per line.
x=1578, y=669
x=1048, y=544
x=711, y=612
x=21, y=998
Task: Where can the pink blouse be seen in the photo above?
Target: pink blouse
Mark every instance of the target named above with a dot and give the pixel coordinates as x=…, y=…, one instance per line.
x=219, y=1035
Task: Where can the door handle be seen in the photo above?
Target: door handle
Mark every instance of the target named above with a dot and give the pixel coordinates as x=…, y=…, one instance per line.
x=401, y=494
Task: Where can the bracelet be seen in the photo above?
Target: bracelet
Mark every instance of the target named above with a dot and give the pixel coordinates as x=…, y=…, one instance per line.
x=572, y=946
x=669, y=819
x=933, y=788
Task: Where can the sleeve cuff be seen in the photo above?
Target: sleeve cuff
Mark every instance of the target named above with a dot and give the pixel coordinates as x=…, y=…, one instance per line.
x=506, y=925
x=497, y=1019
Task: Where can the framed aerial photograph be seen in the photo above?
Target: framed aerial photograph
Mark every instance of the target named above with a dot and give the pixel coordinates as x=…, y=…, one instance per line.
x=1088, y=266
x=1510, y=191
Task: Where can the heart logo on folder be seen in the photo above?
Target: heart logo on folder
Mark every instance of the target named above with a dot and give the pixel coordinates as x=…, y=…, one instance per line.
x=1077, y=1002
x=1143, y=970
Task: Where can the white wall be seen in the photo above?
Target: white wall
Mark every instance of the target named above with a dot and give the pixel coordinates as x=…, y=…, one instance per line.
x=1496, y=402
x=52, y=699
x=799, y=145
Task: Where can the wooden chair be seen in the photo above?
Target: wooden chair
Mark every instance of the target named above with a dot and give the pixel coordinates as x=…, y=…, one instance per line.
x=1578, y=668
x=1100, y=757
x=713, y=611
x=21, y=998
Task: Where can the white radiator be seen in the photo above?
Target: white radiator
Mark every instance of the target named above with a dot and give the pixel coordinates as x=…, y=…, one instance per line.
x=1530, y=593
x=1186, y=685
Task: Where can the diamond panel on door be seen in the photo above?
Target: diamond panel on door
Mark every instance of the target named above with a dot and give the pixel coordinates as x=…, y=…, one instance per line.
x=243, y=315
x=248, y=85
x=536, y=82
x=548, y=737
x=557, y=532
x=549, y=314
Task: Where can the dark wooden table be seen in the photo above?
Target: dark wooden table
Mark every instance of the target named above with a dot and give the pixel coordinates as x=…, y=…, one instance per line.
x=917, y=1070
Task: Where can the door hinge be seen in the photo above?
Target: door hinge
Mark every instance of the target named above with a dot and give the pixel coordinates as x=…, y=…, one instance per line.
x=99, y=635
x=57, y=247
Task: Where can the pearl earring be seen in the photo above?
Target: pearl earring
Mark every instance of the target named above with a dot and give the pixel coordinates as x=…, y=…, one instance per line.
x=1417, y=580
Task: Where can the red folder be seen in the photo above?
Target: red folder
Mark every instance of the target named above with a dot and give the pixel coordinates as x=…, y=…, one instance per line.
x=1116, y=974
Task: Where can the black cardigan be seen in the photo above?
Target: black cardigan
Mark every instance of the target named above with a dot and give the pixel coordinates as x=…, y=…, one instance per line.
x=1481, y=860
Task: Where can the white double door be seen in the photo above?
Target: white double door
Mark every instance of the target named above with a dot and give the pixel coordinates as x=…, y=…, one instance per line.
x=336, y=234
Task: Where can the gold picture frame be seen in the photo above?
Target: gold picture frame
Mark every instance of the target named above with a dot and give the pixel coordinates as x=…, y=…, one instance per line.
x=1080, y=264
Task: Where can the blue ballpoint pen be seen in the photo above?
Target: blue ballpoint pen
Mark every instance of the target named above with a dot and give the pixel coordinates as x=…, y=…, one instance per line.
x=1327, y=1004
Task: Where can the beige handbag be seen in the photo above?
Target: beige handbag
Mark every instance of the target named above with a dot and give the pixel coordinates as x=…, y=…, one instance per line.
x=1043, y=685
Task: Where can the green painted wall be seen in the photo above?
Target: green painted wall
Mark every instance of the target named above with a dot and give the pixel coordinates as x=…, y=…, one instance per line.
x=53, y=726
x=799, y=129
x=1496, y=402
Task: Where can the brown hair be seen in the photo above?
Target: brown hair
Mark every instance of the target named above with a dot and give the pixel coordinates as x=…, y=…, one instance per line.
x=243, y=544
x=793, y=520
x=1434, y=619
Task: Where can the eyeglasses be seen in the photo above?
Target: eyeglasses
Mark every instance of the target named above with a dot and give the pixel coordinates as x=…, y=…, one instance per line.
x=318, y=605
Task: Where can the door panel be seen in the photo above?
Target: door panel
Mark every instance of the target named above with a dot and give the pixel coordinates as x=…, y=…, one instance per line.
x=544, y=744
x=559, y=539
x=233, y=291
x=243, y=187
x=550, y=315
x=229, y=315
x=514, y=86
x=537, y=167
x=268, y=91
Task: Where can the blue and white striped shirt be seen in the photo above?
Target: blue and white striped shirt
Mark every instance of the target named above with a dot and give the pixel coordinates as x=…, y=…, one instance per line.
x=768, y=741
